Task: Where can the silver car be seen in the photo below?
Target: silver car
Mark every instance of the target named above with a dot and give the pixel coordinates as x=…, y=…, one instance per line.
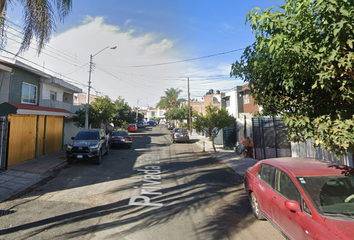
x=180, y=135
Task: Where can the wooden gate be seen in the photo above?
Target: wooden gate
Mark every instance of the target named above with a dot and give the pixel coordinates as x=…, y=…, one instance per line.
x=32, y=136
x=22, y=138
x=54, y=134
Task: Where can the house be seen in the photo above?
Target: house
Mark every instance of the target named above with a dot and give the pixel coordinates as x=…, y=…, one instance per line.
x=153, y=113
x=215, y=99
x=33, y=109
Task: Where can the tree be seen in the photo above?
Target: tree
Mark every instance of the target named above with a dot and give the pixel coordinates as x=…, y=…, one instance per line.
x=39, y=20
x=171, y=99
x=80, y=117
x=103, y=110
x=179, y=113
x=213, y=121
x=301, y=68
x=123, y=114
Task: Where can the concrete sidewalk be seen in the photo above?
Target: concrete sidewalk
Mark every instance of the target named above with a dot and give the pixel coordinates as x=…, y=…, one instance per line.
x=237, y=162
x=22, y=176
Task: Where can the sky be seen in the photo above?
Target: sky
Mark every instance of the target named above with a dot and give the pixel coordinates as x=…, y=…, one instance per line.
x=159, y=45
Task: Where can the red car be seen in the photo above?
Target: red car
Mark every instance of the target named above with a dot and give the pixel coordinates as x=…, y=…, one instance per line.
x=304, y=198
x=132, y=128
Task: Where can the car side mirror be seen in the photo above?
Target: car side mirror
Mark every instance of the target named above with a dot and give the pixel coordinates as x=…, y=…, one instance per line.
x=294, y=207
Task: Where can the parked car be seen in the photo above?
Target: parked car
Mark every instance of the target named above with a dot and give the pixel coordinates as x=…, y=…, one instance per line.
x=180, y=135
x=141, y=124
x=88, y=144
x=132, y=127
x=151, y=123
x=170, y=126
x=304, y=198
x=120, y=139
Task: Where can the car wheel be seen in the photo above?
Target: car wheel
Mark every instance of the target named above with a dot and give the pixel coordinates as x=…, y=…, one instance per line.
x=255, y=207
x=70, y=161
x=99, y=157
x=107, y=151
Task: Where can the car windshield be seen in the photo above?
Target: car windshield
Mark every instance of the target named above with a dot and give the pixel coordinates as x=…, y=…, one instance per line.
x=330, y=194
x=178, y=130
x=87, y=136
x=119, y=133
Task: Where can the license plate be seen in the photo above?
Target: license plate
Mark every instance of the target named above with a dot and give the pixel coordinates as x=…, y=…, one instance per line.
x=79, y=156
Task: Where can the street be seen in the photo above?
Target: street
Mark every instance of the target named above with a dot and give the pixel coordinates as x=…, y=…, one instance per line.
x=155, y=190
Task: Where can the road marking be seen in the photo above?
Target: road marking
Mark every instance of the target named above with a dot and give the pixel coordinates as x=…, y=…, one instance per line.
x=151, y=181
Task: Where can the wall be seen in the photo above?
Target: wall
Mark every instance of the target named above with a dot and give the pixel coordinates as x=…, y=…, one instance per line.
x=45, y=91
x=17, y=78
x=4, y=86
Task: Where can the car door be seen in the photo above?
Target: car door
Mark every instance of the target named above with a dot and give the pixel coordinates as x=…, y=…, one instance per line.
x=264, y=188
x=295, y=225
x=103, y=141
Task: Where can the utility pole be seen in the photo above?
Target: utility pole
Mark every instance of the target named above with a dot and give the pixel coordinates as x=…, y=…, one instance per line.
x=88, y=95
x=189, y=111
x=137, y=111
x=89, y=87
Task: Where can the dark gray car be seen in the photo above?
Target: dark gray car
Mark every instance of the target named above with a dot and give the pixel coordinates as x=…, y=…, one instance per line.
x=88, y=144
x=180, y=135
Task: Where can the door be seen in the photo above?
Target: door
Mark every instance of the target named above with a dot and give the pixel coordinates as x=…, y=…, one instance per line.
x=294, y=225
x=265, y=191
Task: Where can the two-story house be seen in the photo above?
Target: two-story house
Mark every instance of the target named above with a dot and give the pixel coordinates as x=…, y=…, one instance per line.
x=33, y=108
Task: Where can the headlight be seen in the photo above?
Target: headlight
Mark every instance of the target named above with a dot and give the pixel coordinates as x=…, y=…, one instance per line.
x=69, y=147
x=94, y=147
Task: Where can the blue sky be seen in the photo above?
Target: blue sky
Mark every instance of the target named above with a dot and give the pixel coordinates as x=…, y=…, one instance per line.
x=147, y=33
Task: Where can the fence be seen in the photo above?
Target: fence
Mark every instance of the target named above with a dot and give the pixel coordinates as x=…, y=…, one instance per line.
x=270, y=138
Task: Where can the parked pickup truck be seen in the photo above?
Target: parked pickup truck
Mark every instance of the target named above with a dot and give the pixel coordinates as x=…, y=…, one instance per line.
x=88, y=144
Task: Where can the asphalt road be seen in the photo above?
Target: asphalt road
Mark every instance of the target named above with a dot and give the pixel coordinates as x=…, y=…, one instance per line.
x=155, y=190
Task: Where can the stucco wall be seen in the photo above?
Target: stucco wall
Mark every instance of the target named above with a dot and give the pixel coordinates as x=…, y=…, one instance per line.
x=17, y=78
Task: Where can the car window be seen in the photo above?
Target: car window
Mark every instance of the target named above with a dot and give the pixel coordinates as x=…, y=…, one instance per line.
x=286, y=187
x=119, y=133
x=180, y=130
x=85, y=135
x=267, y=174
x=329, y=193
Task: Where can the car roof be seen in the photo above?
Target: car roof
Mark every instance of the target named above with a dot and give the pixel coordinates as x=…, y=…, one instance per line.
x=302, y=167
x=91, y=130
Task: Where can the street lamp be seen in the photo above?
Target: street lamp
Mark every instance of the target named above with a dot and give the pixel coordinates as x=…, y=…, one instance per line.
x=89, y=86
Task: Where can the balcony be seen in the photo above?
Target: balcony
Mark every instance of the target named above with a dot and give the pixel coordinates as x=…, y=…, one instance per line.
x=56, y=104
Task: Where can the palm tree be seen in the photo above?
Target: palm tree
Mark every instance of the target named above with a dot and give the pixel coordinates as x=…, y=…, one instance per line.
x=171, y=99
x=39, y=20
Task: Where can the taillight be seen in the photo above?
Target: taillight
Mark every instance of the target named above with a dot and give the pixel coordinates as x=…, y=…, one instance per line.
x=128, y=139
x=187, y=134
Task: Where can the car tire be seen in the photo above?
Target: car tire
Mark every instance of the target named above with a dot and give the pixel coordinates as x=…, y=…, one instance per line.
x=99, y=158
x=70, y=161
x=255, y=207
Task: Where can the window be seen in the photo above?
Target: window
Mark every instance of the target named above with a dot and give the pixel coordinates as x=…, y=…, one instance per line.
x=267, y=174
x=29, y=93
x=286, y=187
x=53, y=95
x=227, y=102
x=246, y=99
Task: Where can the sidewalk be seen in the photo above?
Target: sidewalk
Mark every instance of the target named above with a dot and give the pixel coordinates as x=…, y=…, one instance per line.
x=237, y=162
x=20, y=177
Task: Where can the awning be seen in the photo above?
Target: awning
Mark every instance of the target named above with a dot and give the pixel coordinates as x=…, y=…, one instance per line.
x=27, y=109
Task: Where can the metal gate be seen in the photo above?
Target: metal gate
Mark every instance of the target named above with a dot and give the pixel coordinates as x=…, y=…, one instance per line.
x=270, y=138
x=230, y=136
x=2, y=142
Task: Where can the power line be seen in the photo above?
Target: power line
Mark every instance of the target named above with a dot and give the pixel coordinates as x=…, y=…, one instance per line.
x=187, y=60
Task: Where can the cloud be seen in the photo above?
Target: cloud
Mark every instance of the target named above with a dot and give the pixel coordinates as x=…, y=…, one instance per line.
x=123, y=71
